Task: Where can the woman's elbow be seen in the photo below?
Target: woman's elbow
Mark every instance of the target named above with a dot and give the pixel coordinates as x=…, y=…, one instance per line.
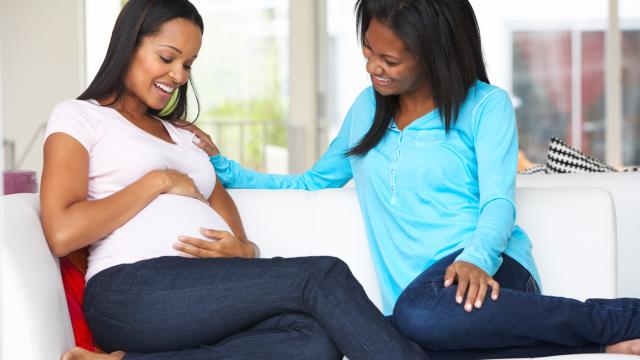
x=59, y=242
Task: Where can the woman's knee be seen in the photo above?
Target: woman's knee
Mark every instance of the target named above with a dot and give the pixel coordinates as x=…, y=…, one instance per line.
x=314, y=340
x=422, y=316
x=329, y=269
x=411, y=317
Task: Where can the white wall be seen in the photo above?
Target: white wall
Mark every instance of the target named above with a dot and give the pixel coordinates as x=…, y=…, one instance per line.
x=347, y=68
x=100, y=17
x=42, y=49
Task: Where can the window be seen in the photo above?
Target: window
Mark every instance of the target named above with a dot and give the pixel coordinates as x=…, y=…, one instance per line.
x=558, y=78
x=242, y=75
x=554, y=60
x=551, y=56
x=630, y=23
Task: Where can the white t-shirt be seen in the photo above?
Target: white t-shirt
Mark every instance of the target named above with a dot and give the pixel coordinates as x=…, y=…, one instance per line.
x=121, y=153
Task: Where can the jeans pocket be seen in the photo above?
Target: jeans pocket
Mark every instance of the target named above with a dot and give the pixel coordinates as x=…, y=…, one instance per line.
x=109, y=334
x=532, y=286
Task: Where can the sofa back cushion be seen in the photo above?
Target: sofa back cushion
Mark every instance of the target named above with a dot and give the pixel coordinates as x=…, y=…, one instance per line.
x=574, y=239
x=572, y=230
x=291, y=223
x=625, y=190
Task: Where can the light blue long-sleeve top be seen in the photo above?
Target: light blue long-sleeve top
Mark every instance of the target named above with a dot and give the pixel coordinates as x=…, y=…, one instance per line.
x=424, y=193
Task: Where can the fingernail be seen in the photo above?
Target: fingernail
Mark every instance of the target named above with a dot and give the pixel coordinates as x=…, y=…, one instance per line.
x=459, y=299
x=196, y=140
x=177, y=246
x=478, y=304
x=467, y=307
x=182, y=238
x=447, y=282
x=494, y=297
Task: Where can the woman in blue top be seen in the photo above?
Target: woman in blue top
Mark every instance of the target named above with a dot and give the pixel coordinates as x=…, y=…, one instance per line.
x=433, y=148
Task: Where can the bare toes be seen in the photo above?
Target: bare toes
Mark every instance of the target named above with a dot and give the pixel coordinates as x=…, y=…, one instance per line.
x=629, y=347
x=77, y=353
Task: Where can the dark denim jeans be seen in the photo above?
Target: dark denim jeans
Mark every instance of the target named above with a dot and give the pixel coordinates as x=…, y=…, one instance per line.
x=192, y=309
x=521, y=323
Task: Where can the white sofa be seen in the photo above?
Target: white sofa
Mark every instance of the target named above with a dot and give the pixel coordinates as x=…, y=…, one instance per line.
x=566, y=225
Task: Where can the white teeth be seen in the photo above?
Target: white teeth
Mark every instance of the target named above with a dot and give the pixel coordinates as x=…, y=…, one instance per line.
x=165, y=88
x=382, y=79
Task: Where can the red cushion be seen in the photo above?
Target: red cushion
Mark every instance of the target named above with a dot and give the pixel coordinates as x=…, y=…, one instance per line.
x=73, y=281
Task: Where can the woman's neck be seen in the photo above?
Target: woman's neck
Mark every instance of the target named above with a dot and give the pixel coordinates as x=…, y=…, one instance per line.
x=413, y=106
x=130, y=106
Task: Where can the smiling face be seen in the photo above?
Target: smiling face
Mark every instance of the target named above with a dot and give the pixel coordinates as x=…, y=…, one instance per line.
x=162, y=63
x=393, y=69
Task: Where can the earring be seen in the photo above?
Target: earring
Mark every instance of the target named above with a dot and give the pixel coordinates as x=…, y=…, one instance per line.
x=171, y=105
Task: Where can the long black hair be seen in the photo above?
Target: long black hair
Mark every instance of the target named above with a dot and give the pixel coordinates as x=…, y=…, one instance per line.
x=140, y=18
x=444, y=36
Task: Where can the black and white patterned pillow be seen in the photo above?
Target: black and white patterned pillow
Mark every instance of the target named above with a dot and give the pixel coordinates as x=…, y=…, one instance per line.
x=562, y=158
x=537, y=169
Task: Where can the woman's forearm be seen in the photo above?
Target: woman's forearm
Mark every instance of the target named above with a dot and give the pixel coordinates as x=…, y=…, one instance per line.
x=69, y=227
x=224, y=205
x=494, y=228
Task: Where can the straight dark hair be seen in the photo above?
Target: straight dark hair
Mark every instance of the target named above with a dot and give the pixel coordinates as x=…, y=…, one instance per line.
x=137, y=19
x=444, y=36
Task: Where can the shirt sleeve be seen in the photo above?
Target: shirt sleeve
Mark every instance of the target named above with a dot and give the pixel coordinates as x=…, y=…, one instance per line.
x=332, y=170
x=69, y=118
x=496, y=145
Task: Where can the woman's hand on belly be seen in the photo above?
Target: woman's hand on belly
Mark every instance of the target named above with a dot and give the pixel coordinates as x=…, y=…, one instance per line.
x=224, y=244
x=178, y=183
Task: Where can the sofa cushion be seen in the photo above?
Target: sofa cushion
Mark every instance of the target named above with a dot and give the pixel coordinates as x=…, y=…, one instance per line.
x=74, y=284
x=563, y=159
x=35, y=320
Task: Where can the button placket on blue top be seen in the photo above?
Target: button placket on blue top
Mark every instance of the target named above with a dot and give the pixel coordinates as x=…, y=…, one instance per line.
x=393, y=171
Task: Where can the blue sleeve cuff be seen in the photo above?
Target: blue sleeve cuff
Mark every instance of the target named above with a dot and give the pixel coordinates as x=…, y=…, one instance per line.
x=489, y=264
x=217, y=160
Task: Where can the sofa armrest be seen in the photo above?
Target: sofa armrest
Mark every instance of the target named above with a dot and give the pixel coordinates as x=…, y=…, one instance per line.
x=34, y=320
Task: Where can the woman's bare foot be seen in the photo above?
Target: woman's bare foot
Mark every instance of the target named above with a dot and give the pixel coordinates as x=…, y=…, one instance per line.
x=81, y=354
x=631, y=347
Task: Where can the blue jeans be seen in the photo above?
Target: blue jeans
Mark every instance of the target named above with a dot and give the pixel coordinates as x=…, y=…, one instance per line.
x=521, y=323
x=192, y=309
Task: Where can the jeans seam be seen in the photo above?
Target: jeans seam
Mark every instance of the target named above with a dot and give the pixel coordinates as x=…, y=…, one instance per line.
x=595, y=306
x=439, y=292
x=240, y=340
x=531, y=286
x=90, y=312
x=372, y=354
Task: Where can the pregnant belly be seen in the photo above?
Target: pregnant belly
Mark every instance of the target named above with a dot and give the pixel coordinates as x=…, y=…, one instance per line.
x=154, y=230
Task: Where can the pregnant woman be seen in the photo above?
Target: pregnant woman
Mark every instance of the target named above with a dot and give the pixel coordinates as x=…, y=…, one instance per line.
x=120, y=177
